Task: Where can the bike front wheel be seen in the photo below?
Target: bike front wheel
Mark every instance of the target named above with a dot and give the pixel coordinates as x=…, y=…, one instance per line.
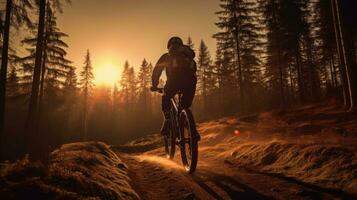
x=189, y=143
x=170, y=143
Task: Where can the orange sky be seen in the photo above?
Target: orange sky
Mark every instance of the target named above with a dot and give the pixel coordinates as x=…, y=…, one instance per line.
x=119, y=30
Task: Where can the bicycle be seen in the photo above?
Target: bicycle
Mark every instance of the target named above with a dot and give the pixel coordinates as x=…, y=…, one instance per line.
x=182, y=133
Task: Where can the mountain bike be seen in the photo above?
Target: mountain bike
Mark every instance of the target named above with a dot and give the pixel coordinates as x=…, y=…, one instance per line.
x=182, y=132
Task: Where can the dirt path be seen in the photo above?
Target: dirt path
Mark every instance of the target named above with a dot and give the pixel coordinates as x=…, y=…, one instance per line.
x=155, y=177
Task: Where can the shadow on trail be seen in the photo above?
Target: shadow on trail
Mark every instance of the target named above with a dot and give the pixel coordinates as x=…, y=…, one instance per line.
x=233, y=188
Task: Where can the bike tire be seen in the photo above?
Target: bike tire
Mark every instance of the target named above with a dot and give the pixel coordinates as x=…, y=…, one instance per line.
x=170, y=143
x=187, y=123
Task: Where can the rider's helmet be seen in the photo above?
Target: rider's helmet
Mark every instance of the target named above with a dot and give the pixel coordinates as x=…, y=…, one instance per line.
x=174, y=41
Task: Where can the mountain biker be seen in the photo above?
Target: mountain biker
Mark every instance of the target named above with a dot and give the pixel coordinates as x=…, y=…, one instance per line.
x=180, y=69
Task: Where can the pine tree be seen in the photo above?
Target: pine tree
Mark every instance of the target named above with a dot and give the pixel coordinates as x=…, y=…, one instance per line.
x=54, y=66
x=224, y=73
x=275, y=70
x=144, y=76
x=325, y=44
x=206, y=81
x=346, y=50
x=116, y=100
x=240, y=34
x=128, y=92
x=190, y=43
x=70, y=91
x=13, y=85
x=144, y=82
x=290, y=50
x=125, y=92
x=124, y=83
x=132, y=85
x=71, y=84
x=16, y=14
x=32, y=119
x=293, y=22
x=119, y=121
x=32, y=133
x=86, y=85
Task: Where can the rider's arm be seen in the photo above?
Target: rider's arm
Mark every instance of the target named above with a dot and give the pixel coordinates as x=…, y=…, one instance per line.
x=159, y=67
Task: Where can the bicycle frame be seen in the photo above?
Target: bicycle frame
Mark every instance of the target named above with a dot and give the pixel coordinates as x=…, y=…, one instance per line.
x=177, y=135
x=177, y=108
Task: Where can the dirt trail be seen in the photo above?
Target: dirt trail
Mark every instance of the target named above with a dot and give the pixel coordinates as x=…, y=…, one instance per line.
x=238, y=158
x=155, y=177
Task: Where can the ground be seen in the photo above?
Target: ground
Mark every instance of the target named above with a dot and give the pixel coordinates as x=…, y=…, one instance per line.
x=87, y=170
x=302, y=153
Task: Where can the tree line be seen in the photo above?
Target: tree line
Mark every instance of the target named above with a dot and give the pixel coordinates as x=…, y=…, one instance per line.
x=279, y=53
x=48, y=101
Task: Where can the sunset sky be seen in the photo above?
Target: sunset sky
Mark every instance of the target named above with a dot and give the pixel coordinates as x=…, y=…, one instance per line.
x=119, y=30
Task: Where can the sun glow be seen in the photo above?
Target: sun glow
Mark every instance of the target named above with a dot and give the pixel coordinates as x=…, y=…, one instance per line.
x=107, y=74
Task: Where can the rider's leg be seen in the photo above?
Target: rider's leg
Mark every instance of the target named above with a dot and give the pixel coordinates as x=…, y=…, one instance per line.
x=169, y=91
x=166, y=112
x=188, y=87
x=188, y=95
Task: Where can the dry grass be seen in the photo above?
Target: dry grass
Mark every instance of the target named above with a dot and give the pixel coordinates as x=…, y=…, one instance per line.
x=315, y=144
x=327, y=166
x=141, y=145
x=76, y=171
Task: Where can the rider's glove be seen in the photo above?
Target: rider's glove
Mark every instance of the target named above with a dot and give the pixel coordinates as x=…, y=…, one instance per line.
x=153, y=88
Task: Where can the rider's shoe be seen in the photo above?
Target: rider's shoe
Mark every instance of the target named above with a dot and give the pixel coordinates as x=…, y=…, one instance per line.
x=165, y=127
x=197, y=135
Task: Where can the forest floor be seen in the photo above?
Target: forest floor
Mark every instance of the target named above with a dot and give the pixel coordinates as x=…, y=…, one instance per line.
x=308, y=152
x=85, y=170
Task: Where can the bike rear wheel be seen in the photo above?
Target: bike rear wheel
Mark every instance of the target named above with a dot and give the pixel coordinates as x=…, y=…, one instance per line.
x=189, y=143
x=170, y=142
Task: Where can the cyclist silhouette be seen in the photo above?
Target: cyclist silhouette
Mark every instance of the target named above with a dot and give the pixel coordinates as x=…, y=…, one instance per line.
x=180, y=69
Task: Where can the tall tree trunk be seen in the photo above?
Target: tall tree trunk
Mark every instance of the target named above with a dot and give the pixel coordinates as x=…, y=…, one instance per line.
x=204, y=91
x=329, y=82
x=341, y=54
x=348, y=56
x=314, y=89
x=334, y=71
x=292, y=87
x=281, y=78
x=300, y=81
x=34, y=146
x=239, y=65
x=85, y=112
x=333, y=81
x=281, y=74
x=3, y=72
x=43, y=69
x=40, y=104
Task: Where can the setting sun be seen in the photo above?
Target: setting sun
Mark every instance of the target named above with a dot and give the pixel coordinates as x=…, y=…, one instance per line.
x=107, y=74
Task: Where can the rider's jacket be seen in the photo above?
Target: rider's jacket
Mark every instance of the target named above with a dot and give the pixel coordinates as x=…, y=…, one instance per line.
x=179, y=66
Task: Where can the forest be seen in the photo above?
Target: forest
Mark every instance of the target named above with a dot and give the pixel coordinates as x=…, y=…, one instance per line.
x=271, y=54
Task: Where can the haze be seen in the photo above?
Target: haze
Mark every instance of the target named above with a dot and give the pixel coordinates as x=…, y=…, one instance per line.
x=119, y=30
